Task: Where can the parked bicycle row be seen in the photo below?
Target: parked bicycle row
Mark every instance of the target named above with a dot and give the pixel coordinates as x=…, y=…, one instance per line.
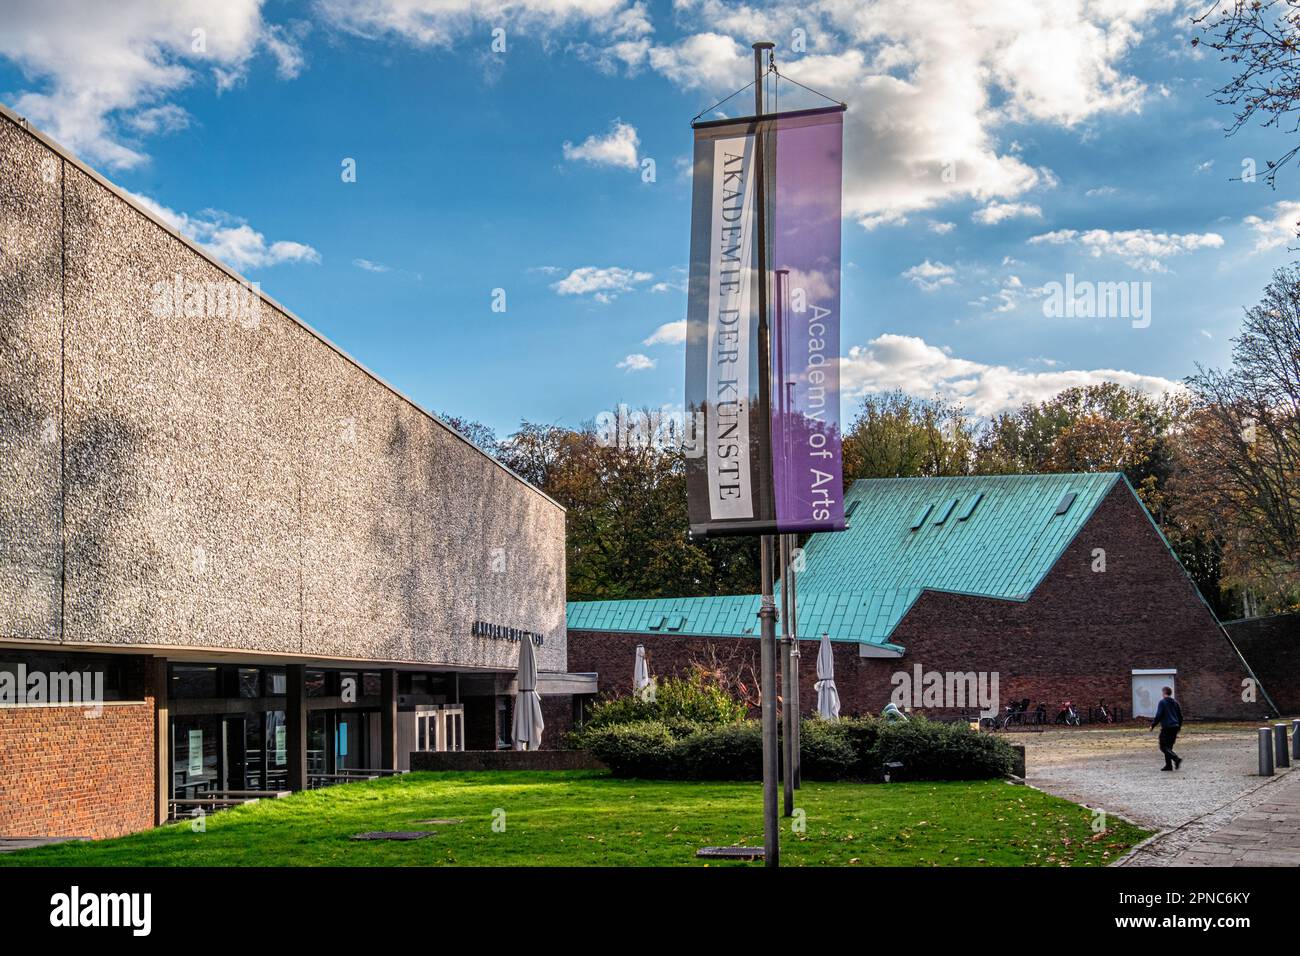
x=1021, y=713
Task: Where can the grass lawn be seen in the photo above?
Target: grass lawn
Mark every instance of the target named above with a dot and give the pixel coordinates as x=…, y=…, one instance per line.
x=592, y=819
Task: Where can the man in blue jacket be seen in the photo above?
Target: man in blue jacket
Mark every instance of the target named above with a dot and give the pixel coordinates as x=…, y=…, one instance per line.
x=1170, y=718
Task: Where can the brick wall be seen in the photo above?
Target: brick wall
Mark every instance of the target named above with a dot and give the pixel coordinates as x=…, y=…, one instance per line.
x=1271, y=645
x=1078, y=637
x=65, y=774
x=557, y=712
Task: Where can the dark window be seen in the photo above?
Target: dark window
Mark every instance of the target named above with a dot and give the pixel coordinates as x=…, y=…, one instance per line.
x=195, y=681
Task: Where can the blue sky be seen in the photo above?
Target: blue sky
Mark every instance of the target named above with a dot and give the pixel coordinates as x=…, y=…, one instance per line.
x=990, y=150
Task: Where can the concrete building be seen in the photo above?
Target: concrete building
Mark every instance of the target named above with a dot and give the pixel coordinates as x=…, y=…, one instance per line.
x=1061, y=585
x=273, y=565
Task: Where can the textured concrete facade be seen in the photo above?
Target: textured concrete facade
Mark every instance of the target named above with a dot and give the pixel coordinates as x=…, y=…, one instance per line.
x=181, y=472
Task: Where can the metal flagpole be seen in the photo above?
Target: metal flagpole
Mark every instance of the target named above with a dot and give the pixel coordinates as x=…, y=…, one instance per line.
x=767, y=612
x=792, y=626
x=783, y=541
x=787, y=714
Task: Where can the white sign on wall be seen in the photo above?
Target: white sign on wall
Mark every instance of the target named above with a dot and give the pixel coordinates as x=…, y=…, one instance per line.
x=196, y=753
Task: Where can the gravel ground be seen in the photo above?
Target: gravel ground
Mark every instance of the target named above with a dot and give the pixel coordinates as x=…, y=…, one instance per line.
x=1119, y=770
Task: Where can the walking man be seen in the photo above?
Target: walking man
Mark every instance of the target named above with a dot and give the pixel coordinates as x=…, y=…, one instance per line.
x=1170, y=718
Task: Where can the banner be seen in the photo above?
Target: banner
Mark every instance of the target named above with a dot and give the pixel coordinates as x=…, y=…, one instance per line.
x=762, y=362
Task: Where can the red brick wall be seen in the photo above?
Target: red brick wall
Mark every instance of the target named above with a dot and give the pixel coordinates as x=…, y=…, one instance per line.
x=1078, y=637
x=65, y=774
x=1271, y=645
x=557, y=712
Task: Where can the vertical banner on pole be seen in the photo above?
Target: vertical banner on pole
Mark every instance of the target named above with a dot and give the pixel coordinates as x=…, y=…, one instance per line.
x=773, y=470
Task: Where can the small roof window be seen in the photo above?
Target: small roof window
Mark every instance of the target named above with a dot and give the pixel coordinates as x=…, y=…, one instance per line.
x=945, y=511
x=970, y=507
x=920, y=519
x=1067, y=499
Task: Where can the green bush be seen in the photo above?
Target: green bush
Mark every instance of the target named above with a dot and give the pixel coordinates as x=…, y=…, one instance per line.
x=930, y=750
x=854, y=749
x=634, y=750
x=729, y=752
x=693, y=700
x=827, y=751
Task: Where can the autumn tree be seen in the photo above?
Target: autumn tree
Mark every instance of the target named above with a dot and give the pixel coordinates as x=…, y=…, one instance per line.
x=1240, y=471
x=1104, y=427
x=896, y=435
x=627, y=520
x=475, y=432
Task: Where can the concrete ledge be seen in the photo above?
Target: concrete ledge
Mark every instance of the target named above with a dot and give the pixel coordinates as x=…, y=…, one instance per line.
x=474, y=760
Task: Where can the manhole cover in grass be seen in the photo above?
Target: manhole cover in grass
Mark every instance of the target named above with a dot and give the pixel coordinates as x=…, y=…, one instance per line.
x=393, y=835
x=438, y=821
x=731, y=852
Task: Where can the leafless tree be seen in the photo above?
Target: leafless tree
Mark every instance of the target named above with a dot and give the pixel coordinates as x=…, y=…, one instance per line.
x=1261, y=39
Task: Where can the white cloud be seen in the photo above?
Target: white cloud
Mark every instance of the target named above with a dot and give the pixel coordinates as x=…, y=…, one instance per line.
x=930, y=276
x=442, y=22
x=929, y=94
x=670, y=333
x=996, y=212
x=605, y=282
x=942, y=228
x=637, y=363
x=229, y=238
x=167, y=118
x=618, y=147
x=1141, y=248
x=1009, y=294
x=914, y=366
x=707, y=61
x=106, y=68
x=1277, y=230
x=369, y=266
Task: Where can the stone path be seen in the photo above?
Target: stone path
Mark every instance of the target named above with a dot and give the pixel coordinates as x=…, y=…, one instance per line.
x=1118, y=770
x=10, y=844
x=1261, y=828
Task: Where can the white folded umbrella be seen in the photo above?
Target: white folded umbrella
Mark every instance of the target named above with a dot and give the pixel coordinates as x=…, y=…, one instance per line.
x=640, y=673
x=828, y=697
x=528, y=703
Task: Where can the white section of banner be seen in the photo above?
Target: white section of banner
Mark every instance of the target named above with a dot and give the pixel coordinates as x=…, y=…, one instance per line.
x=730, y=281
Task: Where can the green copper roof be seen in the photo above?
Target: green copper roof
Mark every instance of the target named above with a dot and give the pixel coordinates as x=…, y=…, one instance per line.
x=993, y=536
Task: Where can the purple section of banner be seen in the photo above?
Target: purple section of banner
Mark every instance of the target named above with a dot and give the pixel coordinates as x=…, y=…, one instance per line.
x=805, y=279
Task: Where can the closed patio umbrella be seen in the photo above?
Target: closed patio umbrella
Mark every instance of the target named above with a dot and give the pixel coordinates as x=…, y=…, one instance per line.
x=640, y=673
x=528, y=703
x=828, y=697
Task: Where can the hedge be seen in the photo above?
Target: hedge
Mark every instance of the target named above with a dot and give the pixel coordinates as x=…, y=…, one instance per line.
x=694, y=699
x=855, y=749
